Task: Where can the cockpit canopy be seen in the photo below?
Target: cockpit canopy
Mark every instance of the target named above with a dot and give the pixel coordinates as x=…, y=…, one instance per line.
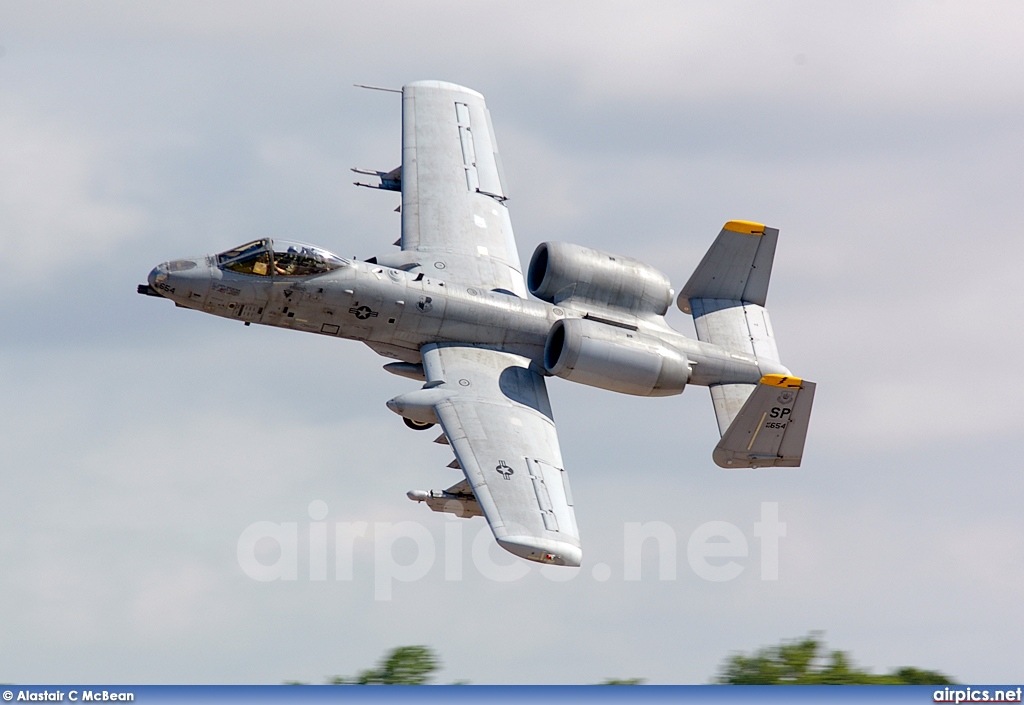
x=279, y=258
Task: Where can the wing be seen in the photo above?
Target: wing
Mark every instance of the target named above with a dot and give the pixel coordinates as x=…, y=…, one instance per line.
x=453, y=192
x=497, y=418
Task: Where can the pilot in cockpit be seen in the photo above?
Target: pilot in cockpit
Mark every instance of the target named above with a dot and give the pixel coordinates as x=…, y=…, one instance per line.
x=289, y=259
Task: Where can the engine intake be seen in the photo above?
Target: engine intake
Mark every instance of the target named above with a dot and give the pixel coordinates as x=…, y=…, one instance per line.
x=560, y=271
x=613, y=358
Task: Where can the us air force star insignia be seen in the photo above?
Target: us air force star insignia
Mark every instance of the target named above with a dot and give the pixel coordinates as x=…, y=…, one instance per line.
x=785, y=397
x=504, y=470
x=363, y=312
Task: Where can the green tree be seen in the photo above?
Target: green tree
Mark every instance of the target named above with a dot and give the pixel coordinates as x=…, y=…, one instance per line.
x=917, y=676
x=805, y=662
x=406, y=665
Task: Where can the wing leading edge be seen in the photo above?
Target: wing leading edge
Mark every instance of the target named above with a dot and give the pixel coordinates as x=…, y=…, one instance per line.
x=496, y=415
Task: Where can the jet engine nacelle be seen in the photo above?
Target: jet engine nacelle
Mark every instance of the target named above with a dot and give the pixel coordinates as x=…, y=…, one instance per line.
x=618, y=359
x=560, y=271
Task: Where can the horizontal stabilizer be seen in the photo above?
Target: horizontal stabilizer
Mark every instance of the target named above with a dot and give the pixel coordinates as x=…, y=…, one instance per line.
x=728, y=399
x=738, y=327
x=770, y=429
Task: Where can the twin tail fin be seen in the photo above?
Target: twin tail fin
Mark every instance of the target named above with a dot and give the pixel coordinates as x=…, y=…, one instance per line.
x=771, y=426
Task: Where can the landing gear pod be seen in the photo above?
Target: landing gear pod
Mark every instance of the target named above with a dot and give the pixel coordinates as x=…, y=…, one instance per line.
x=417, y=408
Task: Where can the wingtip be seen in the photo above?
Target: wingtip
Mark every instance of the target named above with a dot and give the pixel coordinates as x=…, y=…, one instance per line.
x=442, y=85
x=543, y=550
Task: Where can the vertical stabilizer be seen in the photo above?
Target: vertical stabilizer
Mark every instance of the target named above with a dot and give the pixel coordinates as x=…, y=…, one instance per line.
x=736, y=268
x=727, y=292
x=770, y=428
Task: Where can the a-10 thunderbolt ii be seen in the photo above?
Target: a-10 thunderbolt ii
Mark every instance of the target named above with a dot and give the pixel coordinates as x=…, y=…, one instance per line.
x=451, y=307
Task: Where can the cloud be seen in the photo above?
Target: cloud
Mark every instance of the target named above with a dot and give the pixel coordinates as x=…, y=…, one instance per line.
x=878, y=54
x=59, y=204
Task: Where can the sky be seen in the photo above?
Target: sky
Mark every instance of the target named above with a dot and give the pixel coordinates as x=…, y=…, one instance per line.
x=139, y=442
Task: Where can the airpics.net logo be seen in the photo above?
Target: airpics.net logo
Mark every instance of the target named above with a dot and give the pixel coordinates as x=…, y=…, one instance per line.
x=716, y=551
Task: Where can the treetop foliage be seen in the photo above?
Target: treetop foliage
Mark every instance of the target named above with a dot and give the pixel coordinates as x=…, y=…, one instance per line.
x=805, y=662
x=406, y=665
x=801, y=661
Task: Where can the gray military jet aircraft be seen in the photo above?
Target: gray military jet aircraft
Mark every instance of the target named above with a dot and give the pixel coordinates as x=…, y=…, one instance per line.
x=451, y=307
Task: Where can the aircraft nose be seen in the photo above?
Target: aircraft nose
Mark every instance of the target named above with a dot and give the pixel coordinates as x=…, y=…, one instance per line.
x=158, y=275
x=180, y=278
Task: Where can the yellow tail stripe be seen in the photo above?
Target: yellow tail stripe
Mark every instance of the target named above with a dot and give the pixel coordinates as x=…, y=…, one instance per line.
x=745, y=226
x=784, y=381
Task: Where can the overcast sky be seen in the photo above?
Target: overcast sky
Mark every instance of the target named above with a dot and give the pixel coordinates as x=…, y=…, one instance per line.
x=138, y=441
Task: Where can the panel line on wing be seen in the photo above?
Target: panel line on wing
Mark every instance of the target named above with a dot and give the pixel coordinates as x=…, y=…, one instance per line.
x=468, y=146
x=540, y=488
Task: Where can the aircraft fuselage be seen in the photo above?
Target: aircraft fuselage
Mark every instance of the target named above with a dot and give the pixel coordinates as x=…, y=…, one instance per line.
x=397, y=312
